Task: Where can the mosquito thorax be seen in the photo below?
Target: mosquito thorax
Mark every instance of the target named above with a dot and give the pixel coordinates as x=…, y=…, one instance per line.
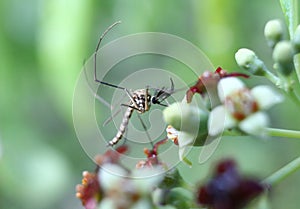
x=142, y=100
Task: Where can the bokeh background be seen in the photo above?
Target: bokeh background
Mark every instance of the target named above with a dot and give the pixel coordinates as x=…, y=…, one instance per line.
x=42, y=48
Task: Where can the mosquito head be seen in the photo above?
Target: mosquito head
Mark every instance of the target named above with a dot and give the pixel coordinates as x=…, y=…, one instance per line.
x=161, y=94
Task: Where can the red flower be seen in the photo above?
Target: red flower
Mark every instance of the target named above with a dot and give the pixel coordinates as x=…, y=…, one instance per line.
x=111, y=156
x=227, y=189
x=89, y=191
x=209, y=80
x=152, y=156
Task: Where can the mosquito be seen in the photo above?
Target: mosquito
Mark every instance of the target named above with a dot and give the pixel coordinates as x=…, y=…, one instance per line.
x=140, y=99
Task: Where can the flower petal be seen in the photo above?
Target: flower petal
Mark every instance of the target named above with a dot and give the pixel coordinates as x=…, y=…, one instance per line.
x=266, y=96
x=146, y=179
x=182, y=153
x=111, y=175
x=219, y=120
x=229, y=85
x=107, y=203
x=184, y=140
x=255, y=124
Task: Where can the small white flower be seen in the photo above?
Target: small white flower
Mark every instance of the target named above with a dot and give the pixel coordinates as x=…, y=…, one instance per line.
x=219, y=120
x=146, y=179
x=142, y=204
x=242, y=108
x=110, y=176
x=266, y=97
x=227, y=86
x=182, y=139
x=128, y=190
x=255, y=123
x=107, y=203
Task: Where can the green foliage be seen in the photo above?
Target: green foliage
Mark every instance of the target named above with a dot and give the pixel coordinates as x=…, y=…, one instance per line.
x=290, y=11
x=43, y=45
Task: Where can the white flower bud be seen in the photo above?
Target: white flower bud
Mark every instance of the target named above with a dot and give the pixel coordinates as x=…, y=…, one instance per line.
x=283, y=55
x=186, y=117
x=274, y=31
x=111, y=176
x=248, y=60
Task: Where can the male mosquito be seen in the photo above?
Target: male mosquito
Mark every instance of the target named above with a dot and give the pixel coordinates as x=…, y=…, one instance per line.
x=140, y=99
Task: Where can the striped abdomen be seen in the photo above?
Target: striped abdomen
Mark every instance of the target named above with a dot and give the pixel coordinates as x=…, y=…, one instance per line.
x=122, y=128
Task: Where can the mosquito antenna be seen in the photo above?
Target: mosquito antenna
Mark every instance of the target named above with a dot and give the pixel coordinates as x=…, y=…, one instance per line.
x=95, y=57
x=162, y=94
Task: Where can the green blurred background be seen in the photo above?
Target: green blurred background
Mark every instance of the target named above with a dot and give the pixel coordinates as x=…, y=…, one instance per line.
x=42, y=47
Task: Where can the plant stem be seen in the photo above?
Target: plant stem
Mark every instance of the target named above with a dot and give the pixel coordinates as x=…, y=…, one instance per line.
x=273, y=78
x=297, y=66
x=283, y=172
x=294, y=97
x=283, y=133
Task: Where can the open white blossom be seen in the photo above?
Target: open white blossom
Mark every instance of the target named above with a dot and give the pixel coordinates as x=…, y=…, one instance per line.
x=242, y=108
x=187, y=126
x=183, y=140
x=128, y=190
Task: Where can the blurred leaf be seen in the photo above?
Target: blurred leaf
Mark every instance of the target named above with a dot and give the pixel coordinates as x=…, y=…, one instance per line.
x=180, y=198
x=172, y=179
x=263, y=202
x=290, y=11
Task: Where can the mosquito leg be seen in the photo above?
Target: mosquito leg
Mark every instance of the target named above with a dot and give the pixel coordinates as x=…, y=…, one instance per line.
x=117, y=104
x=95, y=58
x=131, y=99
x=105, y=32
x=168, y=104
x=172, y=85
x=133, y=107
x=145, y=128
x=100, y=99
x=109, y=119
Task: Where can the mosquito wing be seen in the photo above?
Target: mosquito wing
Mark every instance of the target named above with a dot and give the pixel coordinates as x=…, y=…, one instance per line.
x=117, y=104
x=109, y=119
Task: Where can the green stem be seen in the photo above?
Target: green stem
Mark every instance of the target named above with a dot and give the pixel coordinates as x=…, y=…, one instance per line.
x=294, y=97
x=283, y=133
x=290, y=10
x=297, y=66
x=283, y=172
x=273, y=78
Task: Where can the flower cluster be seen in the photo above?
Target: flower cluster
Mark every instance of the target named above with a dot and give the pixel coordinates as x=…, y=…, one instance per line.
x=228, y=189
x=242, y=108
x=235, y=107
x=91, y=190
x=114, y=186
x=283, y=52
x=207, y=83
x=152, y=157
x=228, y=105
